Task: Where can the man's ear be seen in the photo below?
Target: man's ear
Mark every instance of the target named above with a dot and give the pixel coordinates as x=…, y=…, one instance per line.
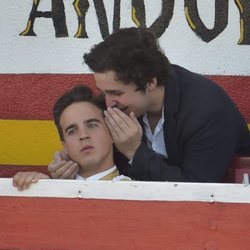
x=152, y=84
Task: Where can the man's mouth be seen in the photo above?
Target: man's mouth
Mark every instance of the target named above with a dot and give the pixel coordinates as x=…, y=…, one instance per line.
x=86, y=148
x=123, y=109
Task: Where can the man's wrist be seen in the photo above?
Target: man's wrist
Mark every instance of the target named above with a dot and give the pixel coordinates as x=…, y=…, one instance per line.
x=131, y=155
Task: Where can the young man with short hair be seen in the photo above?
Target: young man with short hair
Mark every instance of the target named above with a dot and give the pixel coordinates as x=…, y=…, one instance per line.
x=78, y=116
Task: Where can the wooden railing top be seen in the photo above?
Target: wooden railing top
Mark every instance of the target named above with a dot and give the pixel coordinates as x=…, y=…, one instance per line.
x=132, y=190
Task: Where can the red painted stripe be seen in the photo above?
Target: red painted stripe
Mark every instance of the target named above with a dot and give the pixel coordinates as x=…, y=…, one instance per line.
x=238, y=87
x=49, y=223
x=31, y=96
x=240, y=164
x=7, y=171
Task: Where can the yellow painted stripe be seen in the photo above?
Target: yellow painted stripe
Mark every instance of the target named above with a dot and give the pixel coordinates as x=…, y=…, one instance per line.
x=31, y=142
x=27, y=142
x=238, y=3
x=240, y=6
x=134, y=17
x=76, y=5
x=79, y=31
x=241, y=31
x=189, y=19
x=27, y=29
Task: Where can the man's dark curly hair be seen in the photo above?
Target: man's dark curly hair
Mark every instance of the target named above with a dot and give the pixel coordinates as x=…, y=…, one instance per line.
x=79, y=93
x=133, y=54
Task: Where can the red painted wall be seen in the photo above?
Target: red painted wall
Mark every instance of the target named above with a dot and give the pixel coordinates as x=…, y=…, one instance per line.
x=31, y=96
x=50, y=223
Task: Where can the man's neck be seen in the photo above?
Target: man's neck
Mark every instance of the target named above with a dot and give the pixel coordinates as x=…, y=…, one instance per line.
x=155, y=112
x=109, y=174
x=86, y=173
x=153, y=120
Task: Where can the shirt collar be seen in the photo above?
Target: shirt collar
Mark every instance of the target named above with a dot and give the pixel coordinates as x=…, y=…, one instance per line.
x=145, y=117
x=96, y=177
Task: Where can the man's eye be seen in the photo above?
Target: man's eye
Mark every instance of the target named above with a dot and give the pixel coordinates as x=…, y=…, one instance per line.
x=92, y=125
x=113, y=93
x=71, y=132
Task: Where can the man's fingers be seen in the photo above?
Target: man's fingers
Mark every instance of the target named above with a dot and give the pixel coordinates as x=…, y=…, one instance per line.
x=18, y=180
x=57, y=156
x=64, y=156
x=73, y=174
x=54, y=166
x=39, y=176
x=22, y=180
x=28, y=179
x=60, y=156
x=63, y=167
x=65, y=170
x=119, y=124
x=117, y=119
x=112, y=131
x=134, y=118
x=125, y=130
x=14, y=180
x=120, y=116
x=70, y=171
x=113, y=122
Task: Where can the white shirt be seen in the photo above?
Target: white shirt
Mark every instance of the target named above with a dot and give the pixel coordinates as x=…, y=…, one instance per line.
x=98, y=176
x=155, y=140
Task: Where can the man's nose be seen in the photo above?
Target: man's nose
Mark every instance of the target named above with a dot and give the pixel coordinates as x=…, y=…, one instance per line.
x=84, y=135
x=110, y=102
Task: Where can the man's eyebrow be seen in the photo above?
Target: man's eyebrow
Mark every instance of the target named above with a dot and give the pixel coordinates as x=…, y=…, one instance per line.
x=92, y=120
x=112, y=91
x=70, y=127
